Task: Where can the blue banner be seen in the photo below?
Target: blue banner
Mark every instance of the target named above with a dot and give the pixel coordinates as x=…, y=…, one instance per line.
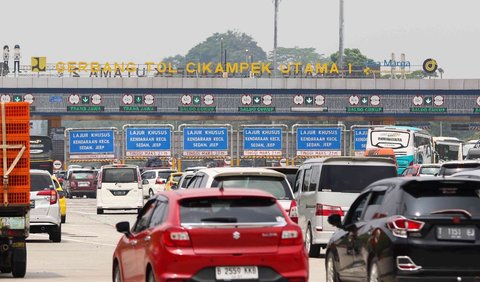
x=360, y=139
x=262, y=138
x=92, y=142
x=205, y=139
x=319, y=138
x=148, y=139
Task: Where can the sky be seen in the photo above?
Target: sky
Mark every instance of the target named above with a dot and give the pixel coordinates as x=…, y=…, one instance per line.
x=150, y=30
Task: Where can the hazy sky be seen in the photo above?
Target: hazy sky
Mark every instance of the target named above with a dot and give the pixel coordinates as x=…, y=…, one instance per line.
x=149, y=30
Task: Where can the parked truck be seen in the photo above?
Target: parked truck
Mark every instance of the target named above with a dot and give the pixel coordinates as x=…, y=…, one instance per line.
x=15, y=194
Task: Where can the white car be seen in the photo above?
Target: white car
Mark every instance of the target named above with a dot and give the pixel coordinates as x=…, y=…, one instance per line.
x=154, y=180
x=45, y=214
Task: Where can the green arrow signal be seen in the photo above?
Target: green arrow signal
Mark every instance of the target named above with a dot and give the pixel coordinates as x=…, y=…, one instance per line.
x=309, y=100
x=428, y=101
x=17, y=99
x=364, y=100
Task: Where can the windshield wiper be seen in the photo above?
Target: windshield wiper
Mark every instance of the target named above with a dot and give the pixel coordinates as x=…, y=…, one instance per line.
x=446, y=211
x=220, y=219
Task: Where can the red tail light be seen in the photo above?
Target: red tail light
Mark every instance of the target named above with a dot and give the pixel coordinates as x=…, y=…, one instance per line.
x=176, y=237
x=400, y=225
x=293, y=212
x=51, y=193
x=291, y=236
x=326, y=210
x=160, y=181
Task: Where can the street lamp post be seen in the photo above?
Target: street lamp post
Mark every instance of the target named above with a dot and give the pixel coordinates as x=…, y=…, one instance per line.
x=276, y=2
x=340, y=41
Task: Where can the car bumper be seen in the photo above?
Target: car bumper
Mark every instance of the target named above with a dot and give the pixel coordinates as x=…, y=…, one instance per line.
x=42, y=227
x=322, y=237
x=189, y=266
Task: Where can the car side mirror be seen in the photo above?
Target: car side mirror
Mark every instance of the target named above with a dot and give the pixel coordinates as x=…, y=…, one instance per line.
x=123, y=227
x=145, y=182
x=335, y=220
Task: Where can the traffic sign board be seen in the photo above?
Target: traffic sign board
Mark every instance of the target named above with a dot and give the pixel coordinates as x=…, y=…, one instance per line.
x=149, y=99
x=73, y=99
x=438, y=100
x=260, y=138
x=186, y=99
x=85, y=100
x=298, y=99
x=208, y=99
x=308, y=100
x=91, y=141
x=257, y=100
x=267, y=100
x=57, y=164
x=28, y=98
x=96, y=99
x=360, y=139
x=364, y=100
x=417, y=100
x=148, y=141
x=127, y=99
x=319, y=100
x=197, y=100
x=316, y=139
x=17, y=98
x=205, y=138
x=375, y=100
x=138, y=99
x=428, y=101
x=246, y=99
x=353, y=100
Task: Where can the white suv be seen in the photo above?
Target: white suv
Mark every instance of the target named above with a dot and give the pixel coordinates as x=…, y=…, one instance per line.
x=119, y=187
x=154, y=180
x=45, y=214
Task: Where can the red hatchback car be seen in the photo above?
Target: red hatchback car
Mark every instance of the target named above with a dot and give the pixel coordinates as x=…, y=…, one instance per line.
x=211, y=235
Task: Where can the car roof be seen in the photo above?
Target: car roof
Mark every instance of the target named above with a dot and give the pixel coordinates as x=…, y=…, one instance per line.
x=205, y=192
x=39, y=171
x=405, y=180
x=120, y=166
x=230, y=171
x=160, y=170
x=453, y=163
x=466, y=173
x=352, y=160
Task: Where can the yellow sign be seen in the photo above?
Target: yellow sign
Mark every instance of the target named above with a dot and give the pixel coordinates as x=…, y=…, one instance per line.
x=255, y=68
x=39, y=64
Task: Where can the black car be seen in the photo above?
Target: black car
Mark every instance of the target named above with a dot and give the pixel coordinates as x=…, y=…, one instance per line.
x=409, y=229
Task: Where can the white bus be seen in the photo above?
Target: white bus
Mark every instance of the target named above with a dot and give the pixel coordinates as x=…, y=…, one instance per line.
x=411, y=145
x=447, y=149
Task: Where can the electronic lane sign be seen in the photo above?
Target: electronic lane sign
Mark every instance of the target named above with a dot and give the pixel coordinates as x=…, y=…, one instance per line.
x=148, y=141
x=319, y=141
x=262, y=141
x=205, y=141
x=360, y=141
x=91, y=144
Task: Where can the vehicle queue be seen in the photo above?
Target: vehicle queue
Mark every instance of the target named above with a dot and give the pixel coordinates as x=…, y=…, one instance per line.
x=371, y=224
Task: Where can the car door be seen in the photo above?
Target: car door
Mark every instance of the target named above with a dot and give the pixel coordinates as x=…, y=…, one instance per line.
x=150, y=176
x=344, y=239
x=302, y=186
x=141, y=239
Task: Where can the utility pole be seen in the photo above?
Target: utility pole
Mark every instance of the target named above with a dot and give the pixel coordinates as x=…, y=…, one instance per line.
x=276, y=2
x=340, y=41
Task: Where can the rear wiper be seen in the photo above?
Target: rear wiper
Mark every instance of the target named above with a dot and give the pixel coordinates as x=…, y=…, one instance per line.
x=220, y=219
x=464, y=212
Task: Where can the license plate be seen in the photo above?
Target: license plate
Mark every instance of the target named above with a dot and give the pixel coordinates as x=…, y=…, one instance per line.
x=236, y=272
x=456, y=233
x=32, y=204
x=119, y=193
x=83, y=184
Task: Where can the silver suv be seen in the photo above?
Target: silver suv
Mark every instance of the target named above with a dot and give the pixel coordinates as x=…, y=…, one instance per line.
x=45, y=210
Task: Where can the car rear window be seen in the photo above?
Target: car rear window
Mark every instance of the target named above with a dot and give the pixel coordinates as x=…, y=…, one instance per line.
x=230, y=210
x=83, y=175
x=119, y=175
x=164, y=174
x=423, y=198
x=277, y=186
x=352, y=178
x=429, y=170
x=447, y=170
x=39, y=182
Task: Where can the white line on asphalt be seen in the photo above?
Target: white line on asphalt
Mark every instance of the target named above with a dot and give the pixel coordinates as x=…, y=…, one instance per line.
x=91, y=243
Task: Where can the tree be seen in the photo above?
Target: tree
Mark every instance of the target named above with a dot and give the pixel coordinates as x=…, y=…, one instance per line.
x=354, y=57
x=420, y=74
x=297, y=55
x=239, y=47
x=177, y=61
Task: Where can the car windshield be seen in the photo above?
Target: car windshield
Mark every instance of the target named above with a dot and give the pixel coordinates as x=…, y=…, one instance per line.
x=240, y=209
x=429, y=170
x=119, y=175
x=40, y=182
x=352, y=178
x=185, y=181
x=425, y=198
x=83, y=175
x=277, y=186
x=164, y=174
x=176, y=178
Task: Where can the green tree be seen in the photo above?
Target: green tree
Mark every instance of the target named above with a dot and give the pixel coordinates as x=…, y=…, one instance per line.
x=297, y=55
x=239, y=47
x=420, y=74
x=354, y=57
x=177, y=61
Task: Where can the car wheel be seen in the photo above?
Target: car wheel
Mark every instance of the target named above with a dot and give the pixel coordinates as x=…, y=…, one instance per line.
x=117, y=277
x=150, y=193
x=151, y=276
x=64, y=218
x=99, y=211
x=56, y=234
x=373, y=272
x=313, y=250
x=332, y=275
x=19, y=262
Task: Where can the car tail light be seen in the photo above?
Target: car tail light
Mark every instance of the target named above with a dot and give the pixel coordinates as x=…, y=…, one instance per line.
x=400, y=225
x=406, y=263
x=160, y=181
x=51, y=193
x=293, y=212
x=73, y=184
x=291, y=236
x=326, y=210
x=176, y=237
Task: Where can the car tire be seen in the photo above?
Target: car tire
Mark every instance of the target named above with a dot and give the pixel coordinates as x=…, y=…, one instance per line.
x=330, y=270
x=63, y=218
x=150, y=276
x=373, y=274
x=312, y=249
x=99, y=211
x=116, y=275
x=150, y=193
x=56, y=234
x=19, y=262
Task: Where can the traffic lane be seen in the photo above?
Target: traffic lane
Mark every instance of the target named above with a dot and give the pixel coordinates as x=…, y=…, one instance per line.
x=317, y=269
